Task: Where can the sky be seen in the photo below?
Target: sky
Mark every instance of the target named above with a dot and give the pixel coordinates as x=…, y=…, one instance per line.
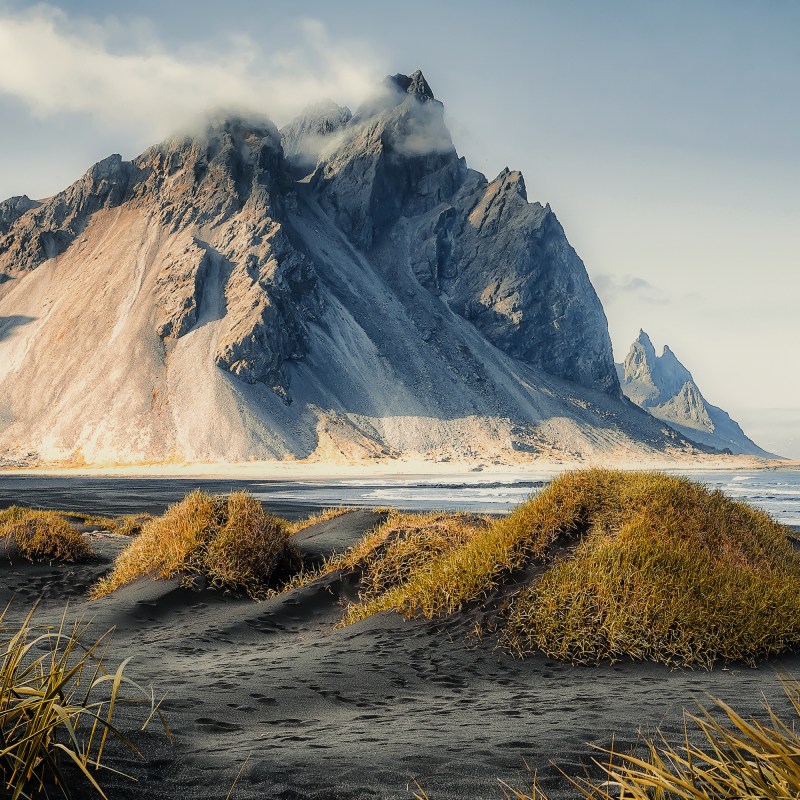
x=664, y=135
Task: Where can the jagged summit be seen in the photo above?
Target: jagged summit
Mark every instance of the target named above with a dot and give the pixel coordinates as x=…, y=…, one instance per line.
x=414, y=84
x=666, y=389
x=344, y=287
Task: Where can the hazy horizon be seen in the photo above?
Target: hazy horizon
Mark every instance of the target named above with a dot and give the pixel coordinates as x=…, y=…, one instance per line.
x=663, y=137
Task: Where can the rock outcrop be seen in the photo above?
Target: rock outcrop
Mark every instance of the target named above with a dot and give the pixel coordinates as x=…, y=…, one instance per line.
x=344, y=287
x=663, y=387
x=12, y=209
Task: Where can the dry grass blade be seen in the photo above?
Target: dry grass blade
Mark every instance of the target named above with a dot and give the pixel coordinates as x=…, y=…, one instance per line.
x=55, y=698
x=723, y=756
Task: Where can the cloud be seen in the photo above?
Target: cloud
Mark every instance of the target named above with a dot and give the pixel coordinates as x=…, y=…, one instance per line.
x=125, y=77
x=614, y=288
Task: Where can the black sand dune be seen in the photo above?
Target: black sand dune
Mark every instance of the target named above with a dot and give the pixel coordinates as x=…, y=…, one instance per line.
x=356, y=713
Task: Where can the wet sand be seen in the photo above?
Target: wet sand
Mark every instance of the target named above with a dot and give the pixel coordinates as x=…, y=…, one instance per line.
x=361, y=712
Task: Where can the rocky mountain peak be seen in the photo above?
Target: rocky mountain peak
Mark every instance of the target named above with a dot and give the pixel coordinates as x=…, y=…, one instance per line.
x=413, y=84
x=512, y=180
x=207, y=175
x=347, y=282
x=644, y=340
x=666, y=389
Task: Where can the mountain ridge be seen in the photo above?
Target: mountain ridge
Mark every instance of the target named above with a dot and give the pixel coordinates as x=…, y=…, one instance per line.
x=207, y=301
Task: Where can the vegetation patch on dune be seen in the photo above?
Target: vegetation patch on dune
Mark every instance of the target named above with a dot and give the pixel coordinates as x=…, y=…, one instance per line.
x=40, y=536
x=57, y=707
x=231, y=541
x=393, y=553
x=604, y=565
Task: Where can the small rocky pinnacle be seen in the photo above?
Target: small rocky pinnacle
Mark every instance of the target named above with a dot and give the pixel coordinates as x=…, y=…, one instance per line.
x=413, y=84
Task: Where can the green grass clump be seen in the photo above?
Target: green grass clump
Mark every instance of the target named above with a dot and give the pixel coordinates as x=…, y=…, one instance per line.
x=231, y=541
x=41, y=536
x=57, y=704
x=608, y=564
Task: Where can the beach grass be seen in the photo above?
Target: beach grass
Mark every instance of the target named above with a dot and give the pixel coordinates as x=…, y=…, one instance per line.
x=320, y=516
x=57, y=708
x=390, y=553
x=230, y=541
x=722, y=755
x=602, y=565
x=35, y=535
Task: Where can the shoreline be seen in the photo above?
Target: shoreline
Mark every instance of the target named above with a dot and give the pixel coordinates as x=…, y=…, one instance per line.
x=386, y=468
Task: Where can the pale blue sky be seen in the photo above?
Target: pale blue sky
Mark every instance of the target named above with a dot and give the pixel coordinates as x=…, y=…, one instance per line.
x=666, y=136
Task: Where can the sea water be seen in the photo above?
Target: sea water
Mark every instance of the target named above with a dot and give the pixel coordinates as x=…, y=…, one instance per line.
x=775, y=491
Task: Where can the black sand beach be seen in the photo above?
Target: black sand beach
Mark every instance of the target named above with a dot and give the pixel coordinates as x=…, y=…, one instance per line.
x=115, y=496
x=362, y=712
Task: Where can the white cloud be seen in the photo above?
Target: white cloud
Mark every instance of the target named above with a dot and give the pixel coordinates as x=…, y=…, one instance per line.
x=613, y=287
x=126, y=77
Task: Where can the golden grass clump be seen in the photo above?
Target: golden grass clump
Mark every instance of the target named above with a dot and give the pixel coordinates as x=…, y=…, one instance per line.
x=231, y=541
x=57, y=704
x=665, y=570
x=400, y=549
x=723, y=756
x=729, y=756
x=130, y=524
x=608, y=564
x=41, y=536
x=391, y=554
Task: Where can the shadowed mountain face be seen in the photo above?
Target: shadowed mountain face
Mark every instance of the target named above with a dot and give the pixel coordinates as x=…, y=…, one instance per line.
x=665, y=388
x=344, y=287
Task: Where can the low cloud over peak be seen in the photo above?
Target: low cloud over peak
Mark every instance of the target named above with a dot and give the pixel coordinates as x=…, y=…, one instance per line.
x=127, y=77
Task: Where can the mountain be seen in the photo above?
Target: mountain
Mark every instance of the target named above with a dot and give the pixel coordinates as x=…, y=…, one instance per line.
x=345, y=287
x=666, y=389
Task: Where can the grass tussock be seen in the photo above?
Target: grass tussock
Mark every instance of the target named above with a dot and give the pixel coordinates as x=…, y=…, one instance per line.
x=130, y=524
x=126, y=525
x=57, y=705
x=399, y=550
x=608, y=564
x=391, y=554
x=231, y=541
x=723, y=756
x=665, y=570
x=41, y=536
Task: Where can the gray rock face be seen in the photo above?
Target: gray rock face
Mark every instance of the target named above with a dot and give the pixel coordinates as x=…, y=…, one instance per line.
x=234, y=177
x=666, y=389
x=394, y=184
x=12, y=209
x=305, y=137
x=346, y=287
